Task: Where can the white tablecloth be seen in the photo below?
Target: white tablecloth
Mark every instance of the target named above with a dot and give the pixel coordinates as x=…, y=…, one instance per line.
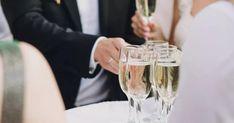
x=106, y=112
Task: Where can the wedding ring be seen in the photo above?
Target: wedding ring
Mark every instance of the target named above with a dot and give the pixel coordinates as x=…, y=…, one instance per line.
x=110, y=60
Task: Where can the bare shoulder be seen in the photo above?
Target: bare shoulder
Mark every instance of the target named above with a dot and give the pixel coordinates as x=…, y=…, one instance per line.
x=42, y=102
x=43, y=98
x=30, y=53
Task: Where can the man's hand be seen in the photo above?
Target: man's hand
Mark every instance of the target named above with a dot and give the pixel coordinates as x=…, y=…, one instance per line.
x=107, y=53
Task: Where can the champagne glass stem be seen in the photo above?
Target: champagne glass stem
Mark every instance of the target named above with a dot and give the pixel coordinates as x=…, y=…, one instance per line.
x=166, y=111
x=131, y=109
x=147, y=20
x=158, y=103
x=156, y=115
x=138, y=111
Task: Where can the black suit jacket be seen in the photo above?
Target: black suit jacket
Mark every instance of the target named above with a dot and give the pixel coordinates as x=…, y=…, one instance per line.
x=55, y=29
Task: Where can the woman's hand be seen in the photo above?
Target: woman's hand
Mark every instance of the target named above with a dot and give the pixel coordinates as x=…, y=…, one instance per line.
x=148, y=30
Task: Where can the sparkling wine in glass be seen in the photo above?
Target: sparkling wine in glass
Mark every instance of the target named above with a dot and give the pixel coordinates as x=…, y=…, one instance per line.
x=155, y=47
x=134, y=75
x=167, y=77
x=146, y=8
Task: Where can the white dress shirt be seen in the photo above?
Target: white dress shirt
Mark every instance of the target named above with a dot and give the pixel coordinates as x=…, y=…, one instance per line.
x=5, y=33
x=91, y=90
x=206, y=92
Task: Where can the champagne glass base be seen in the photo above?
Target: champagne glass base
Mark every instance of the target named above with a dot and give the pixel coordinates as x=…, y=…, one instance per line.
x=153, y=118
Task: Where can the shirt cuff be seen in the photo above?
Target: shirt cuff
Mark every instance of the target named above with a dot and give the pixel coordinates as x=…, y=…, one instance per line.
x=92, y=63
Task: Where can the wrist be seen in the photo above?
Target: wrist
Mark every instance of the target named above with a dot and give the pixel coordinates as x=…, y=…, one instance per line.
x=96, y=48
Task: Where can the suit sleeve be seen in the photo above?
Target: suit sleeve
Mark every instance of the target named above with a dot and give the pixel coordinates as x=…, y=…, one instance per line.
x=28, y=23
x=131, y=37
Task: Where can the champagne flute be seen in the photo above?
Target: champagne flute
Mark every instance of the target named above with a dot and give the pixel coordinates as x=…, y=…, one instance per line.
x=167, y=77
x=146, y=8
x=123, y=59
x=155, y=46
x=134, y=75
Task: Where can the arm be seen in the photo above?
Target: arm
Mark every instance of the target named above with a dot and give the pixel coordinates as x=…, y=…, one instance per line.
x=28, y=23
x=175, y=20
x=42, y=101
x=205, y=95
x=40, y=88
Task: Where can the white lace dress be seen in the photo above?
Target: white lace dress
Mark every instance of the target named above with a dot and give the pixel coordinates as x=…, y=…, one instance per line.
x=163, y=16
x=182, y=27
